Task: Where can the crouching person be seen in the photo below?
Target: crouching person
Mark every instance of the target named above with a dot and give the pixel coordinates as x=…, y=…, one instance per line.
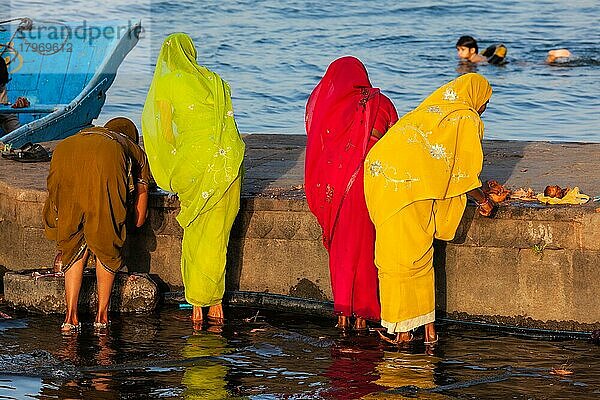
x=97, y=177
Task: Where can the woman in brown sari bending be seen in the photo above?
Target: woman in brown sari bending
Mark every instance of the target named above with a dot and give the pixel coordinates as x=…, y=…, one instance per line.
x=93, y=176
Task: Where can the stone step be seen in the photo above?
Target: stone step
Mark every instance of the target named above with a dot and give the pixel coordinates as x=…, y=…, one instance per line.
x=39, y=290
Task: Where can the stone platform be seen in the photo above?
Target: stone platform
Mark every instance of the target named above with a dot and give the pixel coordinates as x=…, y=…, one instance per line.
x=42, y=291
x=532, y=265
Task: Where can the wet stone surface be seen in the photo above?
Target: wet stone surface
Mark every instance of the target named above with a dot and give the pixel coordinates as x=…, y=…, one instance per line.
x=42, y=292
x=307, y=289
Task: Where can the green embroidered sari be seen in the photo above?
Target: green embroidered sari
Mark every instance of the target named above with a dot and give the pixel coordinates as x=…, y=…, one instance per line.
x=195, y=150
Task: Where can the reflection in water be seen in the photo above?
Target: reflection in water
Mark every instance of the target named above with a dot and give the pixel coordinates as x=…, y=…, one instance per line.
x=68, y=349
x=81, y=349
x=400, y=369
x=105, y=351
x=465, y=67
x=407, y=375
x=353, y=371
x=281, y=356
x=204, y=379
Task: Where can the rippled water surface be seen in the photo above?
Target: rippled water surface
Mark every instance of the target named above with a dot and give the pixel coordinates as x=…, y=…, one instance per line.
x=275, y=356
x=274, y=52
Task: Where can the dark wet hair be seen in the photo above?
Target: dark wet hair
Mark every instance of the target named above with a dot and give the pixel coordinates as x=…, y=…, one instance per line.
x=469, y=42
x=3, y=72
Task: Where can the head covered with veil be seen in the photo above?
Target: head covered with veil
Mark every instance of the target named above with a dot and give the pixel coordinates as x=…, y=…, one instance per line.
x=190, y=134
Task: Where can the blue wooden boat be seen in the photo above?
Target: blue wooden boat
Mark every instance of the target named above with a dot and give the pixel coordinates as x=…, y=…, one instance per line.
x=64, y=70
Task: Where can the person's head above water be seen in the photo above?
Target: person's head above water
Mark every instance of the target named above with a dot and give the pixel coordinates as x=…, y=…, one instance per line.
x=467, y=49
x=553, y=55
x=466, y=46
x=124, y=126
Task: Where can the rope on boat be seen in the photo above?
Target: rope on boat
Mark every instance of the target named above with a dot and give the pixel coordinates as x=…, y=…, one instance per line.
x=25, y=25
x=24, y=21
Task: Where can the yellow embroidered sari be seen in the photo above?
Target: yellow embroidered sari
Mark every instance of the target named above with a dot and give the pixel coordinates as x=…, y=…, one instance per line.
x=195, y=150
x=416, y=180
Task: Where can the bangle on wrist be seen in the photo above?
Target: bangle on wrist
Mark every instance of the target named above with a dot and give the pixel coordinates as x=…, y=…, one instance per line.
x=485, y=201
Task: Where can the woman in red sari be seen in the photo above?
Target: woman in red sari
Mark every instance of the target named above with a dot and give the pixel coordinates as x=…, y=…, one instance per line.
x=345, y=116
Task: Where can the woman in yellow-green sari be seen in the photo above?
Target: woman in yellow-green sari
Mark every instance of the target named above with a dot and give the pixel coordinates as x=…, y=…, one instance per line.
x=195, y=150
x=416, y=180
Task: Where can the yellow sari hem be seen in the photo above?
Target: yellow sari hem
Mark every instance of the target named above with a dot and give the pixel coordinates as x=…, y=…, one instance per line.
x=409, y=324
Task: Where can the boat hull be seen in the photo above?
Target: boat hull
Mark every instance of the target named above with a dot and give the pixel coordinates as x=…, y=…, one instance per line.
x=65, y=72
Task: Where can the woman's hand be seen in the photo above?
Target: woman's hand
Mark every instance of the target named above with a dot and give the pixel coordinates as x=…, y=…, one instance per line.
x=486, y=207
x=21, y=102
x=141, y=204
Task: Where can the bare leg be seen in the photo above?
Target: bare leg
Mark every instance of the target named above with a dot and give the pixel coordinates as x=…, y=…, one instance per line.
x=197, y=314
x=342, y=322
x=215, y=314
x=430, y=333
x=58, y=265
x=360, y=324
x=73, y=278
x=105, y=282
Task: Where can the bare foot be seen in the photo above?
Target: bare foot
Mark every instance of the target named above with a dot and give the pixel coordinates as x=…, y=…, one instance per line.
x=71, y=324
x=101, y=328
x=401, y=337
x=215, y=315
x=404, y=337
x=101, y=318
x=197, y=326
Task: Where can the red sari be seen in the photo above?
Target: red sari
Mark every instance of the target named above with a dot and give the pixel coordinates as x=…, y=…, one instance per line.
x=341, y=114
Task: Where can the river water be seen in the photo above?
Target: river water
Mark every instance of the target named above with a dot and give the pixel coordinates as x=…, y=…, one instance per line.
x=275, y=356
x=273, y=53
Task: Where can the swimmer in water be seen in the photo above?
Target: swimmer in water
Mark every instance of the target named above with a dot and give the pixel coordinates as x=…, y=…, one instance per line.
x=467, y=50
x=558, y=55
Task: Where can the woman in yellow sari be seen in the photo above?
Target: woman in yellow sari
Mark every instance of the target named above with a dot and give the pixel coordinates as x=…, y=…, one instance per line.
x=416, y=180
x=195, y=150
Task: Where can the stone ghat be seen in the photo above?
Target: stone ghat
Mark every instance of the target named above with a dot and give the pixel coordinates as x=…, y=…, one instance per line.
x=42, y=291
x=531, y=266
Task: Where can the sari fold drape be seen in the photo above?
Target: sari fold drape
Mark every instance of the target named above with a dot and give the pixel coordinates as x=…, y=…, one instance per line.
x=416, y=180
x=341, y=114
x=195, y=151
